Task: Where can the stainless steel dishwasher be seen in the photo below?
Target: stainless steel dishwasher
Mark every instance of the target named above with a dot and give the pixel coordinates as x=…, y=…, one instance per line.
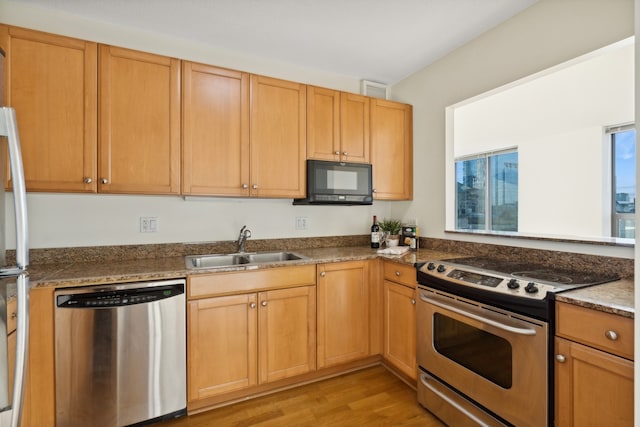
x=120, y=354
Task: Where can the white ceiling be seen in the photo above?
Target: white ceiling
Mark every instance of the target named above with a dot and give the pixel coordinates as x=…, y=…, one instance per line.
x=379, y=40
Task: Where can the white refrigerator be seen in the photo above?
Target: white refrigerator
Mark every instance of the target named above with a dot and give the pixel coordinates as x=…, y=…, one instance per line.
x=14, y=279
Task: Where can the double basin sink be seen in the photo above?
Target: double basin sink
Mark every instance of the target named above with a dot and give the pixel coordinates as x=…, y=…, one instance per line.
x=239, y=259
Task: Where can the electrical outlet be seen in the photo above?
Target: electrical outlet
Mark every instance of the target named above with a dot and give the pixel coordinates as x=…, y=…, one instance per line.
x=302, y=223
x=149, y=224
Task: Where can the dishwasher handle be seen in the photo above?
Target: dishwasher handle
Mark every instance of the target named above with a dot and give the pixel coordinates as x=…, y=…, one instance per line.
x=117, y=298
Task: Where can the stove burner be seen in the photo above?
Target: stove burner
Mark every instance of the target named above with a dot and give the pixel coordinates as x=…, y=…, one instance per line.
x=547, y=276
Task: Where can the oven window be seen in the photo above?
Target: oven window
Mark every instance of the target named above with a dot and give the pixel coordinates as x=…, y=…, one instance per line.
x=485, y=354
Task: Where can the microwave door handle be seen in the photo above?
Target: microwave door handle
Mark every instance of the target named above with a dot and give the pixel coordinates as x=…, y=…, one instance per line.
x=460, y=311
x=9, y=129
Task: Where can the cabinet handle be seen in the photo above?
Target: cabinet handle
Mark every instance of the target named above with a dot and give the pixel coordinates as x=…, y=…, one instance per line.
x=323, y=274
x=263, y=303
x=344, y=153
x=374, y=190
x=337, y=153
x=13, y=315
x=611, y=335
x=398, y=273
x=245, y=186
x=560, y=358
x=104, y=181
x=88, y=180
x=254, y=186
x=252, y=305
x=413, y=301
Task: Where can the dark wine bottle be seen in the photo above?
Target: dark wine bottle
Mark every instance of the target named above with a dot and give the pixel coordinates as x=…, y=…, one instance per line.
x=375, y=233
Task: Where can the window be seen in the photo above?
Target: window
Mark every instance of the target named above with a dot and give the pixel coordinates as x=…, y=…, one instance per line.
x=623, y=143
x=487, y=192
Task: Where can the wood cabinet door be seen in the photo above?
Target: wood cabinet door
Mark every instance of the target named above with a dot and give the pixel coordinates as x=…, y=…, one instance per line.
x=215, y=131
x=593, y=388
x=51, y=82
x=323, y=124
x=343, y=312
x=221, y=345
x=139, y=122
x=392, y=150
x=286, y=333
x=354, y=128
x=400, y=327
x=278, y=138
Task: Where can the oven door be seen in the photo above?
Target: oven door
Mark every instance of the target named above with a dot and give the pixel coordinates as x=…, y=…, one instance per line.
x=495, y=358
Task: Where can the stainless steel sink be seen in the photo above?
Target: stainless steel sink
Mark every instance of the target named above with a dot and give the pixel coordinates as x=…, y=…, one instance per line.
x=230, y=260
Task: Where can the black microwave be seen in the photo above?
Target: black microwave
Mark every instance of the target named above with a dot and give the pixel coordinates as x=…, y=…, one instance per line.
x=337, y=183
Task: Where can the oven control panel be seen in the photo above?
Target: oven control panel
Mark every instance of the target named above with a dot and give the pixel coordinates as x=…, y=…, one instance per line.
x=488, y=280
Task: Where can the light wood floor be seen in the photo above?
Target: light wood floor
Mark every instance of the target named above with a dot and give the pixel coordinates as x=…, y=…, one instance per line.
x=370, y=397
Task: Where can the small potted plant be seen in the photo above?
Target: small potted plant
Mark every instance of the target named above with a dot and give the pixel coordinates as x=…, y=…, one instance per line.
x=391, y=230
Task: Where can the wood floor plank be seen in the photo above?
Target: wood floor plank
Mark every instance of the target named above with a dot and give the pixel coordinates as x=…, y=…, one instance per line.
x=370, y=397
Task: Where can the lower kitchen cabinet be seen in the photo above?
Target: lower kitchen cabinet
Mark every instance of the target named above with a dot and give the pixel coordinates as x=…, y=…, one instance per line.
x=343, y=312
x=222, y=345
x=39, y=392
x=400, y=318
x=593, y=383
x=239, y=341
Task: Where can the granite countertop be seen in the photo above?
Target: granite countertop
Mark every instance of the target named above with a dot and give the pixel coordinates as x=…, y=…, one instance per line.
x=93, y=273
x=615, y=297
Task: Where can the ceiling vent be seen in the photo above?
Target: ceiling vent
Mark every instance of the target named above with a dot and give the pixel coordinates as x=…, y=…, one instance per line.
x=376, y=90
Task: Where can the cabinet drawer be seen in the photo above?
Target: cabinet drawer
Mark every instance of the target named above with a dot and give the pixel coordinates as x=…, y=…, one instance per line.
x=400, y=273
x=11, y=315
x=204, y=285
x=604, y=331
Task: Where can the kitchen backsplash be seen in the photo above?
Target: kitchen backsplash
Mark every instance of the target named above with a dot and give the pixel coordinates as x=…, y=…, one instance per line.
x=621, y=266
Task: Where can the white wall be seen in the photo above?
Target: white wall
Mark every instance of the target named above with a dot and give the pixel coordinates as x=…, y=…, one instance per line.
x=546, y=34
x=62, y=220
x=556, y=119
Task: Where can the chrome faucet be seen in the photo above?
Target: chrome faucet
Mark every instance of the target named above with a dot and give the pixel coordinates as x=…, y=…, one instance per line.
x=245, y=233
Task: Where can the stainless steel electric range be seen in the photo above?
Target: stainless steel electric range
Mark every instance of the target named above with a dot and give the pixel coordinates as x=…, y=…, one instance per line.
x=485, y=333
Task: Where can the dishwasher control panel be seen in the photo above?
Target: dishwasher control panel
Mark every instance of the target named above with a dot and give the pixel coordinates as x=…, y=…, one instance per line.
x=117, y=298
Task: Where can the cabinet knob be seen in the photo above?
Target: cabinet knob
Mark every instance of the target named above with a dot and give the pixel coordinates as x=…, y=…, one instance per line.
x=413, y=301
x=398, y=273
x=254, y=186
x=374, y=190
x=104, y=181
x=263, y=303
x=252, y=305
x=344, y=153
x=337, y=153
x=245, y=186
x=560, y=358
x=611, y=335
x=87, y=180
x=323, y=274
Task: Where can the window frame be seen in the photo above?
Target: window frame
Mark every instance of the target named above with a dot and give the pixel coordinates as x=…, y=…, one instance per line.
x=486, y=156
x=611, y=131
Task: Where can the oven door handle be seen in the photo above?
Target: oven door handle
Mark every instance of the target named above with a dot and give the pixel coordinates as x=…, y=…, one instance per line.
x=508, y=328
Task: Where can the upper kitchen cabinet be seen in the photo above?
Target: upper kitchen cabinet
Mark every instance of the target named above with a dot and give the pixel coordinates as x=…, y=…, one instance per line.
x=139, y=121
x=51, y=82
x=337, y=126
x=278, y=138
x=392, y=150
x=215, y=126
